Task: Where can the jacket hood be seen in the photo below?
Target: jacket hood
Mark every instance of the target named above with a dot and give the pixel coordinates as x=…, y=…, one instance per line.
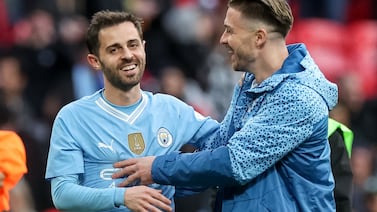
x=300, y=66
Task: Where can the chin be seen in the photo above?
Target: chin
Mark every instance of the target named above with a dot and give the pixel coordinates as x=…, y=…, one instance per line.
x=236, y=67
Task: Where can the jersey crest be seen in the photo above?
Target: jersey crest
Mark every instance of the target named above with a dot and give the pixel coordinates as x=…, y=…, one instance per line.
x=136, y=143
x=164, y=137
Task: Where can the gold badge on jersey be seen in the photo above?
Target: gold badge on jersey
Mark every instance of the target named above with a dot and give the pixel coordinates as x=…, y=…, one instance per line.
x=136, y=143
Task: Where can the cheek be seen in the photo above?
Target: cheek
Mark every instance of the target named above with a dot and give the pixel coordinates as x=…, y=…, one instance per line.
x=112, y=61
x=141, y=55
x=237, y=44
x=240, y=50
x=142, y=59
x=109, y=64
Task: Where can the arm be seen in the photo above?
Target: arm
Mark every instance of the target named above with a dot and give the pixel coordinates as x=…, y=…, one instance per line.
x=69, y=190
x=204, y=168
x=67, y=194
x=192, y=127
x=281, y=124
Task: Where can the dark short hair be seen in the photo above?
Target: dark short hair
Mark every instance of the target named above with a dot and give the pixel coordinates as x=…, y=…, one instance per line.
x=106, y=18
x=276, y=13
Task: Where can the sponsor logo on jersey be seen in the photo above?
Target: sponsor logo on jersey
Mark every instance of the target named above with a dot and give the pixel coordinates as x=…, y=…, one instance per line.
x=164, y=137
x=106, y=146
x=105, y=174
x=136, y=143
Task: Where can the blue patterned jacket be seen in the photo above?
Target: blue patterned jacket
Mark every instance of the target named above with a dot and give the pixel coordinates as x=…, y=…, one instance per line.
x=271, y=152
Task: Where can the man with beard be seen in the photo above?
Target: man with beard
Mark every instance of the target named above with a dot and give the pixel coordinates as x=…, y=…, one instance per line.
x=271, y=152
x=117, y=122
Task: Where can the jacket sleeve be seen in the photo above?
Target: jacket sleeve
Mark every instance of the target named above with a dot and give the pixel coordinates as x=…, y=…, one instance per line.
x=204, y=168
x=280, y=124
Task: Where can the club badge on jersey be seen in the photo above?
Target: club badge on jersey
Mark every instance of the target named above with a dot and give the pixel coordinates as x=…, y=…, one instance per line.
x=136, y=143
x=165, y=139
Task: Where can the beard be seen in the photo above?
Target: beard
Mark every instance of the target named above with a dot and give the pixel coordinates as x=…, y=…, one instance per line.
x=116, y=79
x=241, y=60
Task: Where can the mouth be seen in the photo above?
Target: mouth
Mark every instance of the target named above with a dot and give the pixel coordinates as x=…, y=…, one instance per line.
x=230, y=50
x=128, y=67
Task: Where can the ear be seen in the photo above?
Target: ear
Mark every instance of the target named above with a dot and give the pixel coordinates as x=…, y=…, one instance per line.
x=261, y=37
x=93, y=61
x=143, y=42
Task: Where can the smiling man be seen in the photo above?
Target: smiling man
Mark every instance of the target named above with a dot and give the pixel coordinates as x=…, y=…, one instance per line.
x=271, y=152
x=117, y=122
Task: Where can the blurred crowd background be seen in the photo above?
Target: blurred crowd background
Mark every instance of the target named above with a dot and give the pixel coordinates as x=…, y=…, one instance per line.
x=43, y=67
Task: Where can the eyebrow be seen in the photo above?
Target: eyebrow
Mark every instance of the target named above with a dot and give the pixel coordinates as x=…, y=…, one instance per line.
x=118, y=44
x=113, y=45
x=227, y=26
x=133, y=40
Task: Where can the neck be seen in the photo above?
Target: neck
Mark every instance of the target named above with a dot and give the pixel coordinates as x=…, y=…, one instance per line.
x=122, y=98
x=271, y=59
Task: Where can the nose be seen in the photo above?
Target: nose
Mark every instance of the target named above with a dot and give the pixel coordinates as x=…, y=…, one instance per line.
x=223, y=39
x=127, y=54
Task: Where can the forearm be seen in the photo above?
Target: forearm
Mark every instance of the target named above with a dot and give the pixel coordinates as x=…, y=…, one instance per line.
x=67, y=194
x=205, y=168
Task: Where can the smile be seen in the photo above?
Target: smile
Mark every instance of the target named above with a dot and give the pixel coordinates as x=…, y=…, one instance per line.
x=128, y=68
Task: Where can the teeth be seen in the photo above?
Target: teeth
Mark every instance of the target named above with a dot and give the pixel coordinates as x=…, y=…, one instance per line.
x=127, y=68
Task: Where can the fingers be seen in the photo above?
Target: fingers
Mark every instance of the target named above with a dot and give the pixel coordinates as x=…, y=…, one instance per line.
x=131, y=173
x=125, y=163
x=143, y=198
x=128, y=170
x=130, y=179
x=136, y=170
x=160, y=201
x=158, y=208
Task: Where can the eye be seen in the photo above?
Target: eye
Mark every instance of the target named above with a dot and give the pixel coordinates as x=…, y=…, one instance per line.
x=133, y=45
x=228, y=30
x=113, y=50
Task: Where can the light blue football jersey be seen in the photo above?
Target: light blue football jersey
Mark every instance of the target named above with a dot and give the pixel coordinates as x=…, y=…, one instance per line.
x=89, y=135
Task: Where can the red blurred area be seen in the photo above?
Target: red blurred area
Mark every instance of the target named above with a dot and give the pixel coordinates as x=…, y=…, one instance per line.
x=341, y=49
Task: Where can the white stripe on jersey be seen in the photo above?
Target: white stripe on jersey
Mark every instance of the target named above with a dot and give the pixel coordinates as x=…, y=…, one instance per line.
x=121, y=115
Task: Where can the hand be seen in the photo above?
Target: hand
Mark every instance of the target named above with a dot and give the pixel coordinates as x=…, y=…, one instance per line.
x=136, y=169
x=2, y=178
x=145, y=199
